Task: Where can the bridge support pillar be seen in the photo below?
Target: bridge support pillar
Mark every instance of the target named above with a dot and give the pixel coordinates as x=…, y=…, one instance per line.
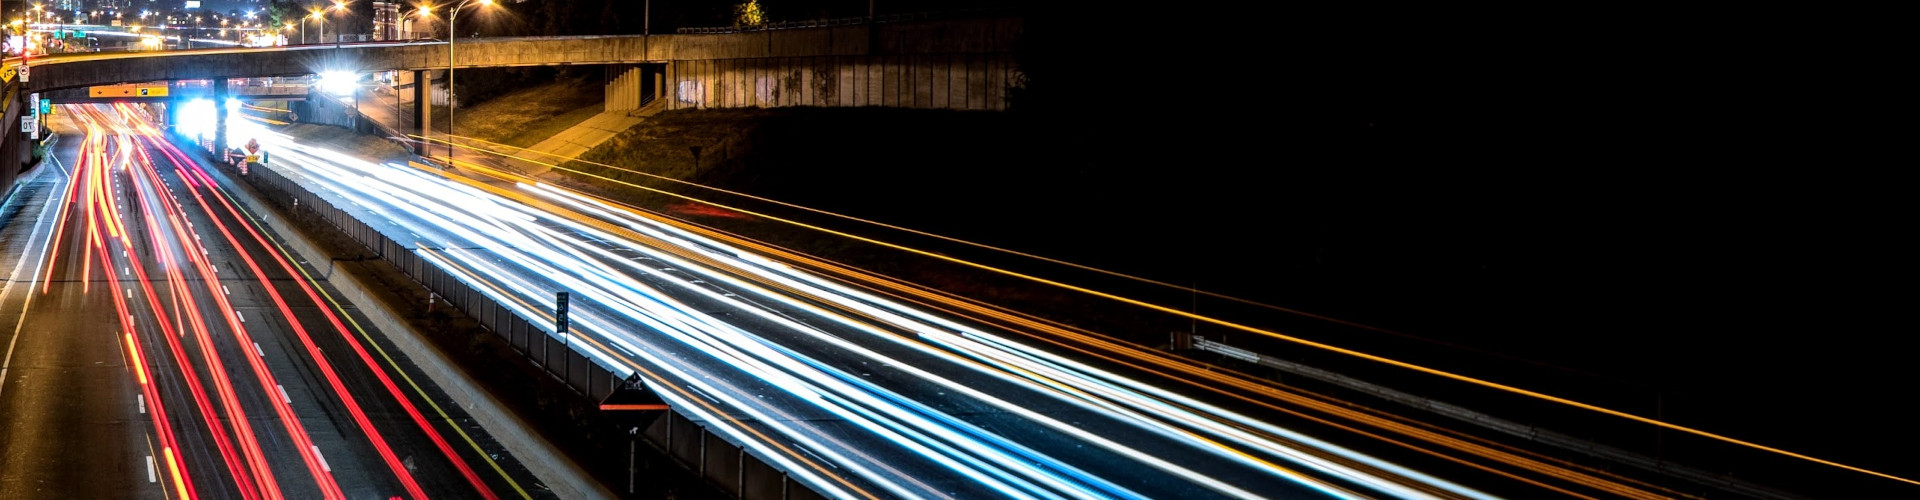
x=423, y=102
x=659, y=83
x=220, y=95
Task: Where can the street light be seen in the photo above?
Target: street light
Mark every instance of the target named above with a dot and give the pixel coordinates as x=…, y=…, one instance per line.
x=338, y=6
x=422, y=14
x=453, y=34
x=314, y=15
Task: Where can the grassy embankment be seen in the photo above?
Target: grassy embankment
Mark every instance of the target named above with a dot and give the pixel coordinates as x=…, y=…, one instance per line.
x=526, y=116
x=998, y=179
x=978, y=176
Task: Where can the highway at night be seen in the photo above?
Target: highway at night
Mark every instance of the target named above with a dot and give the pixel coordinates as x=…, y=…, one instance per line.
x=809, y=250
x=162, y=345
x=868, y=395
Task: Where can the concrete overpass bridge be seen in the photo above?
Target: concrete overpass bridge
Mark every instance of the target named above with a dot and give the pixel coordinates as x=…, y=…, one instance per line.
x=950, y=64
x=954, y=64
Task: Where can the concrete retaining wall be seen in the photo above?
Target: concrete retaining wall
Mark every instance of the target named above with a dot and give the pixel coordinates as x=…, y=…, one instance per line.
x=927, y=81
x=15, y=150
x=324, y=109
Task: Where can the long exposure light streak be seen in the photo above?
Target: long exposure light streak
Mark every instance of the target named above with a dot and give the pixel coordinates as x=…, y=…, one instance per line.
x=541, y=245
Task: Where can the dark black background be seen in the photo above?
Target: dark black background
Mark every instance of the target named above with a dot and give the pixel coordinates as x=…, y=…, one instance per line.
x=1708, y=205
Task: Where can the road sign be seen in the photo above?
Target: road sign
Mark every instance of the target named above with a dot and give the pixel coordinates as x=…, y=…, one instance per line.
x=23, y=73
x=253, y=146
x=156, y=89
x=122, y=90
x=560, y=314
x=33, y=101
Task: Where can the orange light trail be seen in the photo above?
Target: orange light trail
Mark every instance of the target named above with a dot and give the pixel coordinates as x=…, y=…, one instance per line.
x=100, y=200
x=173, y=469
x=1244, y=328
x=268, y=486
x=139, y=368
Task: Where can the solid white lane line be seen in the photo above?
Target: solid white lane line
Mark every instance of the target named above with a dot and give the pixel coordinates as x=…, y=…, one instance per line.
x=7, y=363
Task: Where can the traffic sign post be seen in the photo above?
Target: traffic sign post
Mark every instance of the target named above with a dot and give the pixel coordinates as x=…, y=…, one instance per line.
x=560, y=316
x=30, y=123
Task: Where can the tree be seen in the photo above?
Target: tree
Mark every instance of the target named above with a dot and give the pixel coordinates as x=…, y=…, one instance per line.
x=749, y=14
x=279, y=14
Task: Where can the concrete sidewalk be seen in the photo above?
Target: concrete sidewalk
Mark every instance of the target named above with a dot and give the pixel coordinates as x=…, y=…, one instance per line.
x=578, y=139
x=396, y=112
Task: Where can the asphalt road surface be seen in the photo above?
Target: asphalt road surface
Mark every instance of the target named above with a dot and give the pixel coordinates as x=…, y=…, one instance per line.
x=159, y=345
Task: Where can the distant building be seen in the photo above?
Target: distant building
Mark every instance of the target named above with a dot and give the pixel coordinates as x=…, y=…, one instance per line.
x=386, y=21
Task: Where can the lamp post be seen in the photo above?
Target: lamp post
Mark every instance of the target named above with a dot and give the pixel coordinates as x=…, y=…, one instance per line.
x=320, y=19
x=338, y=6
x=412, y=31
x=453, y=34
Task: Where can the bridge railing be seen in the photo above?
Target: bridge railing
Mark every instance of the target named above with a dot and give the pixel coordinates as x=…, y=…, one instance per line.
x=846, y=21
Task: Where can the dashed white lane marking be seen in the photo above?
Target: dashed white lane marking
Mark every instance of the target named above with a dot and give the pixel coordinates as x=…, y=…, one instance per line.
x=323, y=458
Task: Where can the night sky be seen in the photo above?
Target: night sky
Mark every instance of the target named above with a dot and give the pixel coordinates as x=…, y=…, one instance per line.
x=1705, y=205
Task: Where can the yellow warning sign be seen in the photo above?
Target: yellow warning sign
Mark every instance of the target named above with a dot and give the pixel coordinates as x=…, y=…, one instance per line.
x=129, y=90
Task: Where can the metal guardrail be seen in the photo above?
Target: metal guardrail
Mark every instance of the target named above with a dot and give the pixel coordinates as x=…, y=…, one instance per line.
x=720, y=461
x=1186, y=341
